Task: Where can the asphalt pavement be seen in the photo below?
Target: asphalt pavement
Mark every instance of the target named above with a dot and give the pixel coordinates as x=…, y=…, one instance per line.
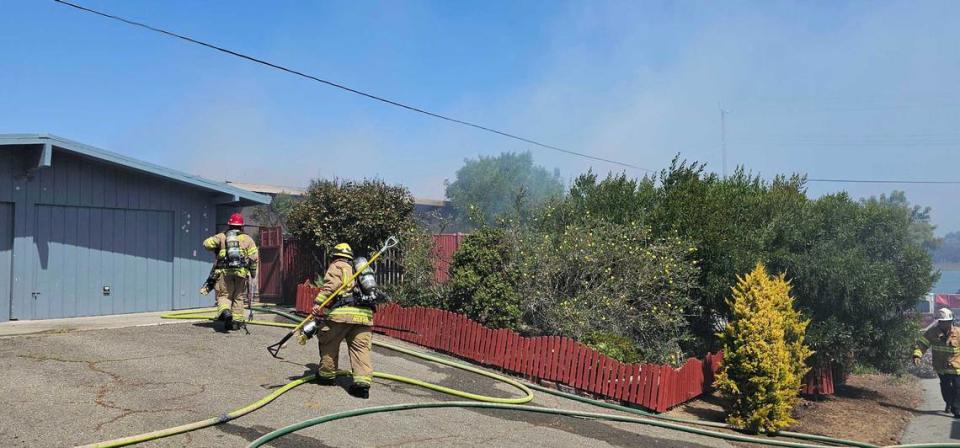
x=930, y=424
x=66, y=388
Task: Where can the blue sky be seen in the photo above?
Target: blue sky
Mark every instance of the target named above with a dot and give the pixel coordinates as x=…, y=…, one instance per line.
x=834, y=89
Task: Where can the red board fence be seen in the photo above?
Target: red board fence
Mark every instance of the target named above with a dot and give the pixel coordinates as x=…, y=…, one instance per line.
x=819, y=381
x=270, y=276
x=445, y=244
x=552, y=358
x=297, y=262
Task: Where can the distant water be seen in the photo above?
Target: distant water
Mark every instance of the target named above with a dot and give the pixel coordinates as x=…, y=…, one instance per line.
x=949, y=283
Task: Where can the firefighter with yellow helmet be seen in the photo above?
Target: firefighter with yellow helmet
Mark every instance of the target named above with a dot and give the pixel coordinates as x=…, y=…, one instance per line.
x=345, y=319
x=236, y=266
x=944, y=340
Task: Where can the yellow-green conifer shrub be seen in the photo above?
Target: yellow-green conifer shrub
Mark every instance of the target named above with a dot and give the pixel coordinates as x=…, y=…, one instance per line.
x=763, y=353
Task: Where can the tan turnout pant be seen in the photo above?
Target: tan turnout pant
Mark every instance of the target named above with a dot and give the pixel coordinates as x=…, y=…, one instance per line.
x=359, y=341
x=231, y=294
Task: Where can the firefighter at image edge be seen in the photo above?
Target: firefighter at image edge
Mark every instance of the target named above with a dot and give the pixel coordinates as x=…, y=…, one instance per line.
x=944, y=340
x=236, y=266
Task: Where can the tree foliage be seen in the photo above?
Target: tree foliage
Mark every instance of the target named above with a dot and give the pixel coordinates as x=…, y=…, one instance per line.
x=416, y=255
x=362, y=214
x=921, y=230
x=857, y=271
x=483, y=282
x=857, y=267
x=488, y=187
x=608, y=284
x=276, y=213
x=610, y=262
x=764, y=353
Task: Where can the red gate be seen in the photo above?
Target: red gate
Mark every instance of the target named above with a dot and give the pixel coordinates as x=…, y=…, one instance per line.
x=445, y=245
x=270, y=273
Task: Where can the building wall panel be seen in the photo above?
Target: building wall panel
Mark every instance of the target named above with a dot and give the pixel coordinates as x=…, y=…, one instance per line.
x=6, y=258
x=136, y=263
x=112, y=207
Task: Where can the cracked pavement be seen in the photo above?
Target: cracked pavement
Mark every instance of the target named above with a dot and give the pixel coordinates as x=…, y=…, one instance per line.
x=66, y=389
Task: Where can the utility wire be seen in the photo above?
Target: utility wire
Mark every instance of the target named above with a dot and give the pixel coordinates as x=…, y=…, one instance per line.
x=349, y=89
x=886, y=181
x=851, y=144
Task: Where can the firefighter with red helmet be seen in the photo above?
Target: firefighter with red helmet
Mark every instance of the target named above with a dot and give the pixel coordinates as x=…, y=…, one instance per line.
x=236, y=266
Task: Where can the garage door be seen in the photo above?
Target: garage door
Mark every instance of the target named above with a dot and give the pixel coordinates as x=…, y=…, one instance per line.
x=95, y=261
x=6, y=258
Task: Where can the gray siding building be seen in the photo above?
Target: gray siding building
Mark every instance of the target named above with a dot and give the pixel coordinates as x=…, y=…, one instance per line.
x=85, y=232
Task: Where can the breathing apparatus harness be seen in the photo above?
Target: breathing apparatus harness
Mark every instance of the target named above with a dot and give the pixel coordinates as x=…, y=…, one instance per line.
x=365, y=294
x=233, y=258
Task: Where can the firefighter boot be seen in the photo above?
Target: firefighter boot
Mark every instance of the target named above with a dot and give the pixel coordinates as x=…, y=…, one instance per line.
x=326, y=377
x=359, y=390
x=227, y=318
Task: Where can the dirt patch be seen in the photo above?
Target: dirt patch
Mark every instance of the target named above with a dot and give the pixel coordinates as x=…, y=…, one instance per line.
x=869, y=408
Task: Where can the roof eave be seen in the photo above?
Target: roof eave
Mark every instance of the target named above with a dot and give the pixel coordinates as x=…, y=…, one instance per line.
x=242, y=197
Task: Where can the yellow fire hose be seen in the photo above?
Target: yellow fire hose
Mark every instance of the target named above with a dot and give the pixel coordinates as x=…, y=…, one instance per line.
x=479, y=401
x=208, y=313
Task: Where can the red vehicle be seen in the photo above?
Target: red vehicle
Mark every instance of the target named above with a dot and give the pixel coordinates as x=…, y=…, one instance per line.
x=951, y=301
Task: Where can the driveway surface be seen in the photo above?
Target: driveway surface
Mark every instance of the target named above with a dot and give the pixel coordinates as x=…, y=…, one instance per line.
x=78, y=387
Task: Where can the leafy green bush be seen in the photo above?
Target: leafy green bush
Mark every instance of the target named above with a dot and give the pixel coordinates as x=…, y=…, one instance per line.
x=416, y=260
x=857, y=271
x=857, y=267
x=483, y=282
x=604, y=278
x=764, y=353
x=618, y=347
x=362, y=214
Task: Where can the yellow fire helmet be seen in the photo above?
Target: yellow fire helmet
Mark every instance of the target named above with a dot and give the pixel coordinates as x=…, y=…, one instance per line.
x=343, y=250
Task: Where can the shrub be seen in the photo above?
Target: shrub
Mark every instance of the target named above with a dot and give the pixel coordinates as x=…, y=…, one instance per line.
x=857, y=272
x=362, y=214
x=483, y=284
x=764, y=353
x=416, y=260
x=618, y=347
x=600, y=278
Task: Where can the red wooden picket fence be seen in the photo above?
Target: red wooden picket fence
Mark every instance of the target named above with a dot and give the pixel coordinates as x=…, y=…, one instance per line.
x=551, y=358
x=819, y=381
x=445, y=245
x=294, y=262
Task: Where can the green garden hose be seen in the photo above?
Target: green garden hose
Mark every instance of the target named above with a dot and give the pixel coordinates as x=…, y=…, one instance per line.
x=512, y=407
x=480, y=401
x=790, y=434
x=202, y=423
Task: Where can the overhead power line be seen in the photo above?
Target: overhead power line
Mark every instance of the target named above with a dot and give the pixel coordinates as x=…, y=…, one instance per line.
x=349, y=89
x=887, y=181
x=851, y=144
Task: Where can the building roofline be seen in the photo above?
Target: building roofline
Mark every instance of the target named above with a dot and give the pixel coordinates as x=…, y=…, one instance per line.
x=299, y=191
x=239, y=195
x=268, y=189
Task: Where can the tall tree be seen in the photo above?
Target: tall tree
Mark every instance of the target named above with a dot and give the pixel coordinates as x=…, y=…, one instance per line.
x=491, y=186
x=275, y=213
x=921, y=230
